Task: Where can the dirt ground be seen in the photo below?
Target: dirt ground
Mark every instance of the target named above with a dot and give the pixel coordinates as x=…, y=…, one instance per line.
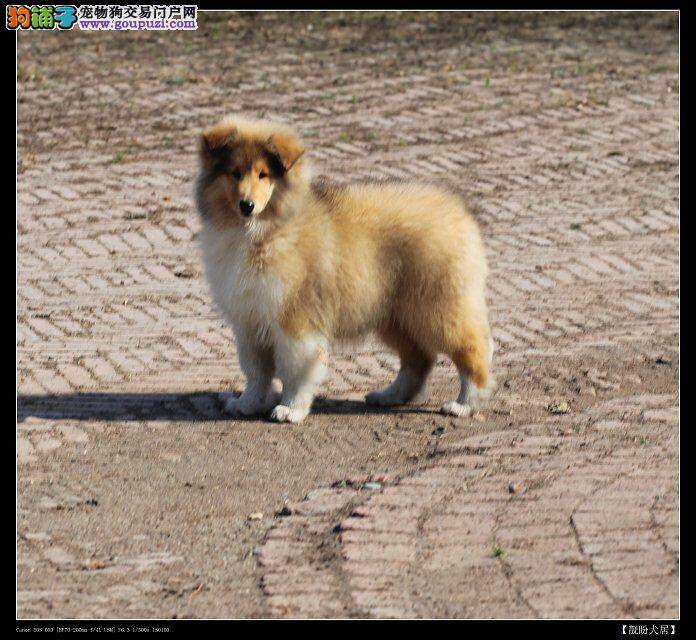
x=138, y=497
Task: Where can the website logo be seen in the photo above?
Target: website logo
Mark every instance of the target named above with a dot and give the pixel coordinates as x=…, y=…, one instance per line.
x=111, y=17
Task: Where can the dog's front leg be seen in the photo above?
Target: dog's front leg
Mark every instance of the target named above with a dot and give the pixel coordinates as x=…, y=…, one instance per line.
x=301, y=365
x=256, y=362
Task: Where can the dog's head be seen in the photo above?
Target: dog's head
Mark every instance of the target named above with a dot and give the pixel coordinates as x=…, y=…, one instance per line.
x=245, y=167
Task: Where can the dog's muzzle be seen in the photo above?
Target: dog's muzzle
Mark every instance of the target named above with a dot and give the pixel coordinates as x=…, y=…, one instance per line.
x=246, y=207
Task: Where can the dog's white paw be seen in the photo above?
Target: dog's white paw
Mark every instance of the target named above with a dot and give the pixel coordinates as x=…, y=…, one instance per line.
x=384, y=398
x=271, y=401
x=454, y=408
x=249, y=406
x=281, y=413
x=241, y=406
x=408, y=386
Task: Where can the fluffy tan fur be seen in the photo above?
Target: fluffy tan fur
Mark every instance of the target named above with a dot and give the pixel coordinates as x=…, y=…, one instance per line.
x=403, y=261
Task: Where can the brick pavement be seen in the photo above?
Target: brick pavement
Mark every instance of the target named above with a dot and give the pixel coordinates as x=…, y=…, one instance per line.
x=561, y=130
x=538, y=521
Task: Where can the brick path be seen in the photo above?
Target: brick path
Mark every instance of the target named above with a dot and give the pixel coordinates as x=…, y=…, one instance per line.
x=562, y=132
x=518, y=523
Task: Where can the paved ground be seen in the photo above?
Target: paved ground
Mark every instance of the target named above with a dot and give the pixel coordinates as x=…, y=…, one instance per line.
x=559, y=499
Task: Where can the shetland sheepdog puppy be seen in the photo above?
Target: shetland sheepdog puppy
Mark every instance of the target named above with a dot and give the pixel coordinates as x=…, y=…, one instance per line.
x=295, y=264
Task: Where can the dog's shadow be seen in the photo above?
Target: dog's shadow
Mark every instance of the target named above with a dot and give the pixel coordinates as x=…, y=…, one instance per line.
x=170, y=407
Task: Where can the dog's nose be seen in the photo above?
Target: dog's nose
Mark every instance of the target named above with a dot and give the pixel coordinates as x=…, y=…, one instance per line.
x=246, y=207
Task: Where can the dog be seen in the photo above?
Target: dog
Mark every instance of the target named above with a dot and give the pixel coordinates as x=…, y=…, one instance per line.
x=294, y=264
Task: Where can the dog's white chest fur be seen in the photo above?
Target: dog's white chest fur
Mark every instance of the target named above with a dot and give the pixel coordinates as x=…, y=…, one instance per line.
x=247, y=299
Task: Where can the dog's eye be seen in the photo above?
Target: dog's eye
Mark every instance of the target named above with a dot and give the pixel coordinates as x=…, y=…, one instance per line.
x=263, y=175
x=236, y=174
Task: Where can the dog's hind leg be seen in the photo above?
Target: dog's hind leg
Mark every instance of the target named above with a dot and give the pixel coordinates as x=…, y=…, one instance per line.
x=473, y=360
x=410, y=381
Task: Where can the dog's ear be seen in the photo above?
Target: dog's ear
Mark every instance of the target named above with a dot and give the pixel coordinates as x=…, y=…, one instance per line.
x=285, y=148
x=214, y=141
